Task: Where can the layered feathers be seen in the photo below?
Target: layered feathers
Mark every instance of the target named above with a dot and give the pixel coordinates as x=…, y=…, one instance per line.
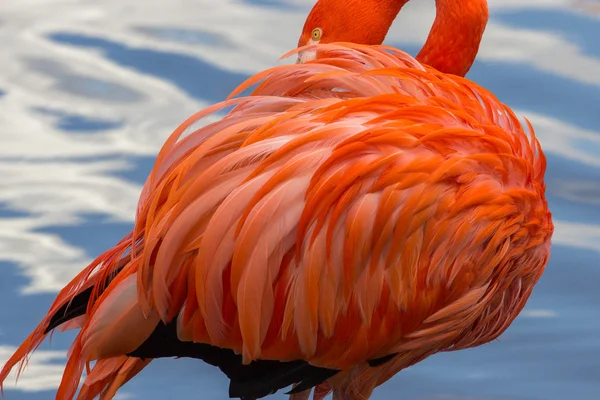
x=356, y=207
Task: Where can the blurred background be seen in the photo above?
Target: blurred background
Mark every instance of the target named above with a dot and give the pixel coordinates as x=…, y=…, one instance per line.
x=90, y=89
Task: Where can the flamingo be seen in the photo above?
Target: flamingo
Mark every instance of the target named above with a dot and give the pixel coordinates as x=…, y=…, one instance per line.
x=349, y=218
x=451, y=46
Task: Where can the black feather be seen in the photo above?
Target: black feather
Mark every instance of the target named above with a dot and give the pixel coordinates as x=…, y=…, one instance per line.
x=70, y=310
x=316, y=376
x=382, y=360
x=258, y=379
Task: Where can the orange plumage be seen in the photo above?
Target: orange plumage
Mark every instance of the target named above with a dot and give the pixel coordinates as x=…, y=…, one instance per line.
x=353, y=208
x=348, y=219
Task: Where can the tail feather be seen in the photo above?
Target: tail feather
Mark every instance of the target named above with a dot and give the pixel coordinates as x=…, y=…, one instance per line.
x=72, y=305
x=321, y=391
x=75, y=323
x=117, y=326
x=108, y=375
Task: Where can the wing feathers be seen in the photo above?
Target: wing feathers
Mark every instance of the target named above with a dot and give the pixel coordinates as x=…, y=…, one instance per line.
x=352, y=207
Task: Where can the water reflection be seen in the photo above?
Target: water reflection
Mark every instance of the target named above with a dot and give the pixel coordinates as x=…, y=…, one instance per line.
x=89, y=91
x=187, y=36
x=77, y=123
x=198, y=79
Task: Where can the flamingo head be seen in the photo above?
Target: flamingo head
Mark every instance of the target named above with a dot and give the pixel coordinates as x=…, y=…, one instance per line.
x=356, y=21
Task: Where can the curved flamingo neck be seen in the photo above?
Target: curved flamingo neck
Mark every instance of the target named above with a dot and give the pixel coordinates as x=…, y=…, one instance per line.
x=454, y=39
x=452, y=44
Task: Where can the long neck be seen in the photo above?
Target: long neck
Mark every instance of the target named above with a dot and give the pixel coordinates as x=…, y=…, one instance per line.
x=454, y=39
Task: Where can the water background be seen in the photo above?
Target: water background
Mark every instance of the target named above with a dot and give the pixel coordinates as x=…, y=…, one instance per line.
x=89, y=90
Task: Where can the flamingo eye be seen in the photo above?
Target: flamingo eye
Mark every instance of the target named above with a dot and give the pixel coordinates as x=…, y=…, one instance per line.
x=316, y=34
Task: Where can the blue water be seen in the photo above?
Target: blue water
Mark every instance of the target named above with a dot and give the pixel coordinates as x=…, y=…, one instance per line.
x=199, y=79
x=82, y=121
x=559, y=22
x=76, y=123
x=82, y=85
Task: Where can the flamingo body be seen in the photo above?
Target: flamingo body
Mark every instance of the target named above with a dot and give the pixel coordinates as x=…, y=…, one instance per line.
x=349, y=218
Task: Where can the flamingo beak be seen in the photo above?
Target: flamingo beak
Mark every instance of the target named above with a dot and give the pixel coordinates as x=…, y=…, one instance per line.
x=305, y=56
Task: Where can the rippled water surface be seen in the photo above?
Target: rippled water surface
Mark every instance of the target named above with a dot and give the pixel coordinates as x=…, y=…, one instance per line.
x=89, y=90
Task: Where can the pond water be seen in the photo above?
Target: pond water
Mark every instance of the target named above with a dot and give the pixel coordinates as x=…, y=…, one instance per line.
x=89, y=90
